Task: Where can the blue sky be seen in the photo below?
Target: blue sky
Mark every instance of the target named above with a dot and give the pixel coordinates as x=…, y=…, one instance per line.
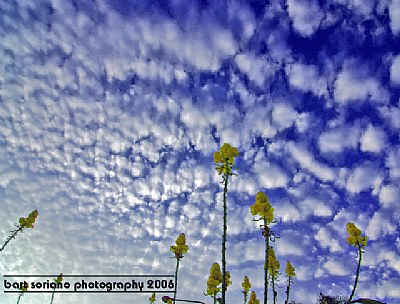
x=110, y=112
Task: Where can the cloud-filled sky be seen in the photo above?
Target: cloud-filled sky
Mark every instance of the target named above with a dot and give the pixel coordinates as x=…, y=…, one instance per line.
x=110, y=111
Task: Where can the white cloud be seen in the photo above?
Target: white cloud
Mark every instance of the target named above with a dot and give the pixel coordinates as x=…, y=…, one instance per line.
x=291, y=243
x=338, y=139
x=389, y=196
x=379, y=254
x=392, y=162
x=306, y=16
x=315, y=206
x=287, y=211
x=354, y=83
x=327, y=240
x=395, y=67
x=258, y=69
x=391, y=114
x=373, y=139
x=381, y=225
x=307, y=79
x=270, y=175
x=283, y=115
x=307, y=161
x=394, y=13
x=335, y=267
x=363, y=178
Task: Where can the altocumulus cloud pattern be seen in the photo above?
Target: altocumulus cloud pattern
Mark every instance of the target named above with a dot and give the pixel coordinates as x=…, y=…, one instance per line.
x=110, y=112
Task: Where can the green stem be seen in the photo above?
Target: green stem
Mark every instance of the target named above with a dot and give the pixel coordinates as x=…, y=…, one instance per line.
x=176, y=278
x=19, y=297
x=12, y=236
x=357, y=274
x=266, y=262
x=245, y=297
x=273, y=289
x=224, y=234
x=288, y=290
x=52, y=296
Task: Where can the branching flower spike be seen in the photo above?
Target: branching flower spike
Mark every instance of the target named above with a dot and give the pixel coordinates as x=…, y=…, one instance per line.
x=274, y=267
x=214, y=281
x=22, y=289
x=152, y=299
x=224, y=160
x=24, y=223
x=265, y=211
x=356, y=240
x=57, y=280
x=246, y=288
x=253, y=298
x=180, y=249
x=290, y=274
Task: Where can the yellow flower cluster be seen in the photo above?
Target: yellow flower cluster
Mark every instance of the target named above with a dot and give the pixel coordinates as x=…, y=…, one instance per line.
x=290, y=271
x=215, y=279
x=224, y=159
x=180, y=247
x=24, y=287
x=59, y=278
x=253, y=298
x=355, y=239
x=262, y=207
x=28, y=221
x=273, y=263
x=152, y=299
x=246, y=285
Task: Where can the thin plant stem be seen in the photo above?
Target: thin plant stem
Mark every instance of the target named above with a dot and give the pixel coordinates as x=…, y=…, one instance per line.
x=176, y=278
x=273, y=288
x=266, y=235
x=288, y=290
x=52, y=296
x=19, y=297
x=357, y=274
x=226, y=175
x=12, y=236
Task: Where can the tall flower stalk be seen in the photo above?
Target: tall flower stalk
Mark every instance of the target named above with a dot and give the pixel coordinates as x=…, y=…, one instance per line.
x=253, y=298
x=152, y=299
x=57, y=280
x=356, y=240
x=24, y=223
x=246, y=288
x=178, y=250
x=22, y=289
x=290, y=274
x=274, y=267
x=224, y=164
x=214, y=282
x=265, y=211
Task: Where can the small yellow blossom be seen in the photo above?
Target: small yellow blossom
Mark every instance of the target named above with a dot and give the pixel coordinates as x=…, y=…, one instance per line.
x=290, y=271
x=215, y=280
x=180, y=247
x=273, y=263
x=262, y=207
x=253, y=298
x=225, y=158
x=355, y=239
x=29, y=221
x=152, y=299
x=59, y=278
x=246, y=284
